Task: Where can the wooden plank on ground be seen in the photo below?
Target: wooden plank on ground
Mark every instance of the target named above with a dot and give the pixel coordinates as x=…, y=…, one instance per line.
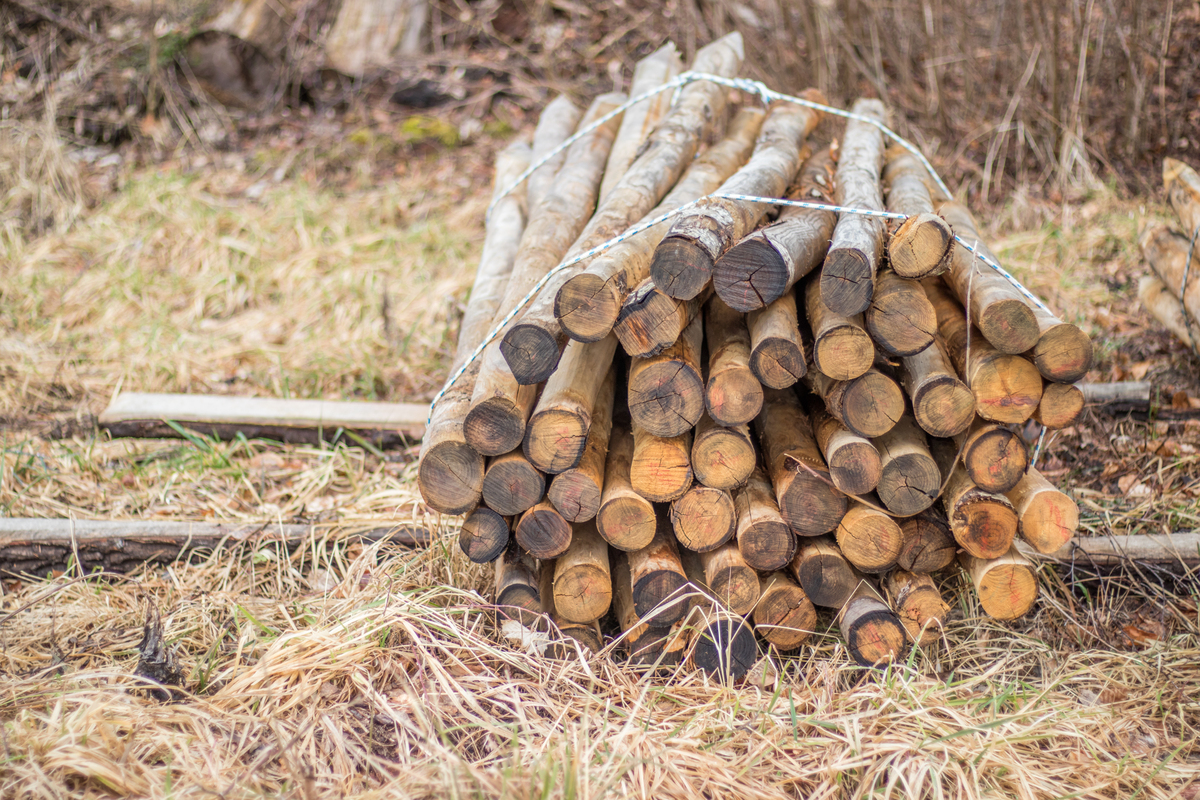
x=144, y=415
x=37, y=546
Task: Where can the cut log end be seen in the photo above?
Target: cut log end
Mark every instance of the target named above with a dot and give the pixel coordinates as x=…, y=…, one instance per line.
x=1061, y=405
x=778, y=363
x=874, y=634
x=484, y=535
x=1010, y=325
x=1063, y=354
x=555, y=439
x=995, y=457
x=542, y=532
x=943, y=406
x=921, y=246
x=587, y=307
x=910, y=484
x=872, y=405
x=494, y=426
x=928, y=544
x=681, y=268
x=984, y=524
x=532, y=352
x=451, y=477
x=512, y=485
x=703, y=519
x=653, y=592
x=627, y=522
x=847, y=282
x=784, y=616
x=844, y=353
x=854, y=467
x=1007, y=585
x=726, y=647
x=750, y=276
x=575, y=495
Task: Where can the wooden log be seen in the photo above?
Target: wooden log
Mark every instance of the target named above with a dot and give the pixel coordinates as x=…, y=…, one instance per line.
x=1060, y=406
x=918, y=604
x=723, y=644
x=582, y=578
x=449, y=471
x=499, y=404
x=626, y=520
x=808, y=502
x=484, y=535
x=1183, y=191
x=722, y=458
x=517, y=592
x=1007, y=387
x=983, y=523
x=666, y=391
x=587, y=634
x=589, y=303
x=848, y=275
x=557, y=433
x=1048, y=518
x=1125, y=393
x=542, y=532
x=1180, y=549
x=533, y=344
x=1001, y=313
x=651, y=321
x=512, y=485
x=784, y=616
x=729, y=577
x=657, y=578
x=909, y=480
x=874, y=635
x=1165, y=307
x=1007, y=585
x=853, y=461
x=922, y=244
x=661, y=470
x=870, y=405
x=994, y=456
x=776, y=354
x=827, y=578
x=732, y=393
x=370, y=34
x=763, y=537
x=900, y=318
x=236, y=56
x=1063, y=352
x=576, y=492
x=683, y=261
x=1166, y=251
x=639, y=121
x=703, y=519
x=38, y=546
x=942, y=404
x=645, y=644
x=869, y=539
x=842, y=348
x=764, y=265
x=557, y=122
x=928, y=544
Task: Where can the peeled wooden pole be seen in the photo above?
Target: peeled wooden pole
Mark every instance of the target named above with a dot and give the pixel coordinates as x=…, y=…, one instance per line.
x=900, y=318
x=983, y=523
x=542, y=532
x=517, y=595
x=576, y=492
x=922, y=244
x=587, y=634
x=645, y=643
x=994, y=456
x=557, y=433
x=848, y=275
x=928, y=544
x=582, y=578
x=870, y=405
x=683, y=262
x=533, y=344
x=703, y=519
x=589, y=303
x=1007, y=585
x=808, y=502
x=763, y=537
x=729, y=577
x=764, y=265
x=1063, y=352
x=512, y=485
x=661, y=469
x=657, y=577
x=500, y=405
x=666, y=391
x=651, y=321
x=828, y=579
x=1007, y=387
x=484, y=535
x=909, y=479
x=556, y=124
x=1048, y=517
x=776, y=353
x=722, y=458
x=1183, y=190
x=1060, y=406
x=1165, y=307
x=998, y=309
x=918, y=604
x=626, y=520
x=842, y=348
x=1167, y=252
x=869, y=539
x=854, y=464
x=732, y=393
x=874, y=635
x=784, y=616
x=942, y=404
x=723, y=643
x=449, y=471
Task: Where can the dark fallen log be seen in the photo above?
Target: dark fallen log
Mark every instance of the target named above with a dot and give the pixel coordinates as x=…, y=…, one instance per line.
x=38, y=546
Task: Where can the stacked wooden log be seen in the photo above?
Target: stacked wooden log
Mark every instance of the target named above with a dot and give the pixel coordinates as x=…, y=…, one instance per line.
x=728, y=421
x=1172, y=293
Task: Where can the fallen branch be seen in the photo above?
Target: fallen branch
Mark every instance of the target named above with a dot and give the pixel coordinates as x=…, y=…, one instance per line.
x=1107, y=550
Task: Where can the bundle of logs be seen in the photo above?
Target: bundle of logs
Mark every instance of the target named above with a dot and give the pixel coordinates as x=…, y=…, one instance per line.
x=1172, y=293
x=704, y=433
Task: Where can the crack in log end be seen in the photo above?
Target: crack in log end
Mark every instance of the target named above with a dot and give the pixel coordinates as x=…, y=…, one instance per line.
x=532, y=352
x=451, y=477
x=680, y=268
x=750, y=275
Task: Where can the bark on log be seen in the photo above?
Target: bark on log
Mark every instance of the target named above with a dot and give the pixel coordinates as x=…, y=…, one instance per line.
x=1048, y=518
x=842, y=348
x=1183, y=191
x=827, y=578
x=763, y=537
x=784, y=616
x=558, y=121
x=588, y=304
x=626, y=520
x=703, y=519
x=722, y=458
x=449, y=471
x=666, y=391
x=651, y=321
x=1165, y=307
x=369, y=34
x=776, y=354
x=582, y=578
x=542, y=532
x=517, y=588
x=557, y=433
x=657, y=577
x=765, y=265
x=870, y=405
x=732, y=393
x=853, y=461
x=874, y=635
x=1060, y=406
x=484, y=535
x=809, y=503
x=1007, y=585
x=900, y=318
x=942, y=404
x=983, y=523
x=576, y=492
x=869, y=539
x=918, y=604
x=994, y=456
x=1063, y=352
x=683, y=262
x=661, y=470
x=587, y=634
x=730, y=578
x=512, y=485
x=1167, y=252
x=848, y=276
x=909, y=479
x=928, y=544
x=922, y=244
x=1000, y=312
